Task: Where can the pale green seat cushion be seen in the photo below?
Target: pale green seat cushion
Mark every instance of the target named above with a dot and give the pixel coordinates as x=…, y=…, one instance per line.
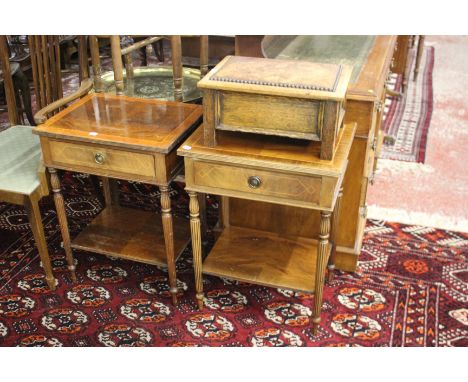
x=20, y=155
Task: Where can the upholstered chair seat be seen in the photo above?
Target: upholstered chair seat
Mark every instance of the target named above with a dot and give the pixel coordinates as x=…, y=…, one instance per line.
x=20, y=154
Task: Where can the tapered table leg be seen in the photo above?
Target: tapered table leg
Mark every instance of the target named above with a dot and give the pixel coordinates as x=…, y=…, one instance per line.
x=196, y=246
x=169, y=240
x=320, y=269
x=62, y=218
x=34, y=216
x=334, y=227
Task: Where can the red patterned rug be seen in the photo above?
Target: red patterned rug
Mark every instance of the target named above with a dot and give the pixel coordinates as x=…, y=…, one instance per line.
x=407, y=119
x=411, y=289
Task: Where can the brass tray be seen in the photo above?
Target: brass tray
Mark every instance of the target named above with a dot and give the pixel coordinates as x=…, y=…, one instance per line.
x=155, y=82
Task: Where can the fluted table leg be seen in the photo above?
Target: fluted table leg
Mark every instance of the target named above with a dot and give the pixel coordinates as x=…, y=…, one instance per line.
x=320, y=269
x=195, y=229
x=169, y=240
x=62, y=218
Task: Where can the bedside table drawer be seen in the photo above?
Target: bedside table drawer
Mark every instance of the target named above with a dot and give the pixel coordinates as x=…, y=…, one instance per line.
x=101, y=160
x=261, y=182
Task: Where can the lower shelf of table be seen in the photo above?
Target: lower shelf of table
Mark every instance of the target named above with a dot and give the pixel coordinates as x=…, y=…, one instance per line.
x=131, y=234
x=264, y=258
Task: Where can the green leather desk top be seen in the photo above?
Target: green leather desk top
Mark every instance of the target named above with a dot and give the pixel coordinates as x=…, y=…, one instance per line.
x=350, y=50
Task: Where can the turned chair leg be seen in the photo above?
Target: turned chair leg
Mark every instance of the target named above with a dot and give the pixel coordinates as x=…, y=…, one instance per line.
x=169, y=240
x=177, y=69
x=320, y=269
x=334, y=228
x=34, y=216
x=204, y=56
x=196, y=246
x=62, y=218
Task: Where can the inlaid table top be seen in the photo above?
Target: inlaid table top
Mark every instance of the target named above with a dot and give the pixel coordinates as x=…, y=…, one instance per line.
x=126, y=122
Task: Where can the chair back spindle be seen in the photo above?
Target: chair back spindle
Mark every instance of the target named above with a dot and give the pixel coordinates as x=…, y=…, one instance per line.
x=47, y=76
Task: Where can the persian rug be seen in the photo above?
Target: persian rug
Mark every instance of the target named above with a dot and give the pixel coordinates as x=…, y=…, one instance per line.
x=407, y=119
x=411, y=289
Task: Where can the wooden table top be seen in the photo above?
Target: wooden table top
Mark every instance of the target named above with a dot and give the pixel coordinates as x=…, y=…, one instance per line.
x=280, y=153
x=136, y=123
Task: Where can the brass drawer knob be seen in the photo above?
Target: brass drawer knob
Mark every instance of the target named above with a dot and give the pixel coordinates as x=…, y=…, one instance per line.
x=99, y=158
x=254, y=182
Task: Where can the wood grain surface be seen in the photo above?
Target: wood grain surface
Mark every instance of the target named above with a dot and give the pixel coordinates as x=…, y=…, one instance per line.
x=264, y=258
x=125, y=122
x=132, y=234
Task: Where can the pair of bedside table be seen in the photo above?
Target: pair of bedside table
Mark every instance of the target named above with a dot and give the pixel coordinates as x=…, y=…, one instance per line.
x=137, y=139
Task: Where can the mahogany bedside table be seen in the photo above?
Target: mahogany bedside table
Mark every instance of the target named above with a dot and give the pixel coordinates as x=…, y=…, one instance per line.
x=124, y=138
x=281, y=173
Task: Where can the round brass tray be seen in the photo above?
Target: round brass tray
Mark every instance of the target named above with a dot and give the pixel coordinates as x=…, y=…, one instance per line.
x=155, y=82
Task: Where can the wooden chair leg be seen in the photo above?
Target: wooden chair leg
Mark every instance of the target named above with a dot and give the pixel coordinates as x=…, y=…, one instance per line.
x=144, y=60
x=204, y=55
x=158, y=49
x=169, y=240
x=323, y=244
x=418, y=56
x=117, y=64
x=334, y=227
x=96, y=62
x=62, y=218
x=20, y=108
x=196, y=246
x=176, y=48
x=22, y=84
x=34, y=216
